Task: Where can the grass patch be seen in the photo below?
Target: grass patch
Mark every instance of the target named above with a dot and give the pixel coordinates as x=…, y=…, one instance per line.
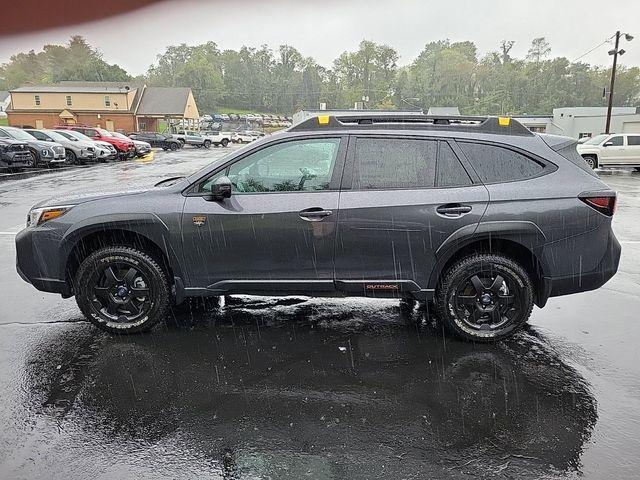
x=4, y=121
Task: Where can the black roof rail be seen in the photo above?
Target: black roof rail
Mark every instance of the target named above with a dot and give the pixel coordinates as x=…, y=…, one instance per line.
x=362, y=121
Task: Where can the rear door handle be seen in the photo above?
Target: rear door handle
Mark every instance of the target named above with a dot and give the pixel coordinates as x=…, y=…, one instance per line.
x=453, y=209
x=314, y=214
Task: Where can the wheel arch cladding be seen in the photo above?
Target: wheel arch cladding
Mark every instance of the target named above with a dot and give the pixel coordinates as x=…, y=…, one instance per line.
x=520, y=241
x=149, y=234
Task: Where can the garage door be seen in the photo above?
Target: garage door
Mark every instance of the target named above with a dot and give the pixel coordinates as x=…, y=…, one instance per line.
x=631, y=127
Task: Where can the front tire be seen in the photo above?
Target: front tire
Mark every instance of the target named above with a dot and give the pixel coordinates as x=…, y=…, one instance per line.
x=484, y=298
x=224, y=142
x=71, y=158
x=207, y=144
x=591, y=160
x=122, y=290
x=34, y=159
x=174, y=146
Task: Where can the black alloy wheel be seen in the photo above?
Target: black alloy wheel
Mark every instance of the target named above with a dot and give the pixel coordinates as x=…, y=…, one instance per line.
x=174, y=146
x=34, y=159
x=207, y=144
x=70, y=157
x=485, y=298
x=122, y=290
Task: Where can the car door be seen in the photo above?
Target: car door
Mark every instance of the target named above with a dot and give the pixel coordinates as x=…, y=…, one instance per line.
x=277, y=229
x=402, y=197
x=612, y=151
x=632, y=151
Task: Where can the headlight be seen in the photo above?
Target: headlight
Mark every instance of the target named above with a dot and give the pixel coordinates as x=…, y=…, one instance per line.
x=44, y=152
x=37, y=216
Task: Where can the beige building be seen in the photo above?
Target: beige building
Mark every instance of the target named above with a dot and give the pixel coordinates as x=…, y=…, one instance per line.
x=110, y=105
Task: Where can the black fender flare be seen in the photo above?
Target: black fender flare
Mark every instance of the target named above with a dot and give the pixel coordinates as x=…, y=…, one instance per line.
x=146, y=225
x=525, y=233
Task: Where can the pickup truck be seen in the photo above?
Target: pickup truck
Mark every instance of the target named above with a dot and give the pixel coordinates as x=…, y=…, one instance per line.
x=203, y=139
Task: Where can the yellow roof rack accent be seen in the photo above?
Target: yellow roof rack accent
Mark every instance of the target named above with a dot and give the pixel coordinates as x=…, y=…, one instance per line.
x=323, y=119
x=504, y=121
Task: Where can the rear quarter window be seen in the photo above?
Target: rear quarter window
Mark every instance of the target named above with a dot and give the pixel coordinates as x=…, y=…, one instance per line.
x=570, y=153
x=495, y=164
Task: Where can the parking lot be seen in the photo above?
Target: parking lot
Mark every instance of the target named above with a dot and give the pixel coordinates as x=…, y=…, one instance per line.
x=343, y=388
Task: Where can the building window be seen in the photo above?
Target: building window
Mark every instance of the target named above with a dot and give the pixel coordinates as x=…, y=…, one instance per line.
x=107, y=101
x=37, y=99
x=68, y=100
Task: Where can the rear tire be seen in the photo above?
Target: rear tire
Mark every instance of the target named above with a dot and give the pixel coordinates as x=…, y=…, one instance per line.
x=122, y=290
x=484, y=298
x=591, y=160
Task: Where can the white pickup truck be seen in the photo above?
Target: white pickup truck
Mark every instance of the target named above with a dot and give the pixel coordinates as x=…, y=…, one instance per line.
x=217, y=138
x=203, y=139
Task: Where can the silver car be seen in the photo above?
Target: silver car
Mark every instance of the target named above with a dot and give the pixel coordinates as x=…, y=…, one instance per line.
x=103, y=150
x=76, y=151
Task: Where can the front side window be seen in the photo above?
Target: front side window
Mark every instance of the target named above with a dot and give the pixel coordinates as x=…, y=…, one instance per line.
x=36, y=98
x=384, y=163
x=616, y=141
x=38, y=135
x=498, y=164
x=300, y=165
x=68, y=100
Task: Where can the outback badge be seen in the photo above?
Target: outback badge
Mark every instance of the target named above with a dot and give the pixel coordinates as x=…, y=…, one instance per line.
x=199, y=220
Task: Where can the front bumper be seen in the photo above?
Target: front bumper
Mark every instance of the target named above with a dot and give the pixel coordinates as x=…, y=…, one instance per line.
x=37, y=255
x=15, y=159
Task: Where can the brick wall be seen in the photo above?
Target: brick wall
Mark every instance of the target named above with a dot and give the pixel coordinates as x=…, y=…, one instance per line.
x=123, y=122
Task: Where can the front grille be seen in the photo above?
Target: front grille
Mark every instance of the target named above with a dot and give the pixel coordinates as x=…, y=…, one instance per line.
x=58, y=150
x=18, y=147
x=22, y=156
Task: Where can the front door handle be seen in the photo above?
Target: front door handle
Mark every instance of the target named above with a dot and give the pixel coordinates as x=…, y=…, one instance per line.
x=314, y=214
x=453, y=209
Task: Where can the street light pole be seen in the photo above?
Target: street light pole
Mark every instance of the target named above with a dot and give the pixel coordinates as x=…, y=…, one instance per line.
x=615, y=52
x=613, y=81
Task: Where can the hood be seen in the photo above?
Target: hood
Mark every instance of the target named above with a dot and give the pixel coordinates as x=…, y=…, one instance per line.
x=42, y=144
x=140, y=143
x=104, y=144
x=88, y=197
x=11, y=141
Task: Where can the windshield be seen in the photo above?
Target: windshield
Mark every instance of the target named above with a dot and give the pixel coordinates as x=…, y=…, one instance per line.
x=597, y=140
x=20, y=134
x=55, y=136
x=76, y=135
x=104, y=133
x=119, y=135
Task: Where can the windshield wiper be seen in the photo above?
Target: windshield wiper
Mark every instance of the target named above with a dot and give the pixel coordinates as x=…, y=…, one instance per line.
x=166, y=180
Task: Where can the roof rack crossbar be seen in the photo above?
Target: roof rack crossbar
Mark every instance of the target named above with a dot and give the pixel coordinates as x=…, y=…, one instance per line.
x=478, y=124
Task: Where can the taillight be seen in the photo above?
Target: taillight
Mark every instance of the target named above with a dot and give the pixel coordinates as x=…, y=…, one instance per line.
x=604, y=204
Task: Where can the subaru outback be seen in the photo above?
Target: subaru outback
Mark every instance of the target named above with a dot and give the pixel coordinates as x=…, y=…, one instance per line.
x=477, y=216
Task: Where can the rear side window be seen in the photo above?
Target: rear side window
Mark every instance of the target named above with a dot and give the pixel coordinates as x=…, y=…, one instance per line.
x=382, y=163
x=633, y=140
x=450, y=172
x=499, y=164
x=570, y=153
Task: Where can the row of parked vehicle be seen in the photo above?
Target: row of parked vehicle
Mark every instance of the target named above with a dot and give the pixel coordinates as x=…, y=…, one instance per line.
x=262, y=119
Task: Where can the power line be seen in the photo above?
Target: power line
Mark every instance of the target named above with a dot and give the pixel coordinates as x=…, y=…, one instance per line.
x=588, y=52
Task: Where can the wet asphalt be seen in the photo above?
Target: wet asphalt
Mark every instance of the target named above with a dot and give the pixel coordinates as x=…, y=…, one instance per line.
x=266, y=388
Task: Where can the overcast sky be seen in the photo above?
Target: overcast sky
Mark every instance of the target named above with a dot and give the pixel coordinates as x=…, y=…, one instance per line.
x=324, y=29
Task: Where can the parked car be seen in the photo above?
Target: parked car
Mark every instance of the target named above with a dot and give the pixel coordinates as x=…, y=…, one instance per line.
x=14, y=154
x=142, y=147
x=41, y=152
x=612, y=150
x=125, y=148
x=75, y=152
x=190, y=137
x=166, y=142
x=483, y=217
x=216, y=138
x=245, y=136
x=104, y=151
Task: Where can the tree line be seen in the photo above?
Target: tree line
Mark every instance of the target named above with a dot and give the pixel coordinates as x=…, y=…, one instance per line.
x=284, y=80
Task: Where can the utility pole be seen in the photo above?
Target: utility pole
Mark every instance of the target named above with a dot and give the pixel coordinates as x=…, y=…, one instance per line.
x=613, y=81
x=615, y=52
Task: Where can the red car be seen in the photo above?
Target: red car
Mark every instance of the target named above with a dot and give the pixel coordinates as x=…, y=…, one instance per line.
x=125, y=148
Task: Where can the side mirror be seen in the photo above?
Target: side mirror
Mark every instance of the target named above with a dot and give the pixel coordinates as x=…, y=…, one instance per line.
x=221, y=189
x=607, y=144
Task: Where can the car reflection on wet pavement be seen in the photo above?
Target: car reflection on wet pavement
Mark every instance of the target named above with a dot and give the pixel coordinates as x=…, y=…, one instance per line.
x=257, y=388
x=264, y=388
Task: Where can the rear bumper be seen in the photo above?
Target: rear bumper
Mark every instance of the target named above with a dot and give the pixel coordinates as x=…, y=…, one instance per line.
x=585, y=281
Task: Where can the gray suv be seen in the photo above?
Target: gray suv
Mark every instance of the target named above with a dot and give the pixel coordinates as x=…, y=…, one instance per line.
x=478, y=215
